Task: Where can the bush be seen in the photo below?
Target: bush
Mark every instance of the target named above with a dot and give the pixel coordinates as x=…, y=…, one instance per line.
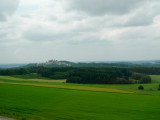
x=159, y=87
x=141, y=87
x=142, y=78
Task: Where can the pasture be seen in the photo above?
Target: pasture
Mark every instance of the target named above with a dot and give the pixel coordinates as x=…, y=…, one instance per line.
x=30, y=99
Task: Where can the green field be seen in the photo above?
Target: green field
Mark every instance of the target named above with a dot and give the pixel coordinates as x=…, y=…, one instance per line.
x=27, y=99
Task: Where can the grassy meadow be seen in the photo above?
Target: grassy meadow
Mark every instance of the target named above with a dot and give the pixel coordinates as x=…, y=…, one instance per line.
x=40, y=99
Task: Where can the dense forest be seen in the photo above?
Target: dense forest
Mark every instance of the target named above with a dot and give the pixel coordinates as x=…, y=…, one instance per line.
x=89, y=75
x=107, y=76
x=146, y=70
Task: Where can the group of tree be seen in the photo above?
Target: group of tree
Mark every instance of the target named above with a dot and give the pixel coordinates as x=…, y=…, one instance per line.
x=141, y=78
x=14, y=71
x=106, y=76
x=159, y=87
x=146, y=70
x=85, y=75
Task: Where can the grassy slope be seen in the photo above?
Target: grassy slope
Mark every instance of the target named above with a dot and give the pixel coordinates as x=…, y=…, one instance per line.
x=62, y=104
x=149, y=88
x=101, y=88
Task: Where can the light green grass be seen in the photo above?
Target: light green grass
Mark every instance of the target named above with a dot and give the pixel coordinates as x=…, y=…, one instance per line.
x=33, y=100
x=12, y=80
x=42, y=103
x=123, y=88
x=84, y=88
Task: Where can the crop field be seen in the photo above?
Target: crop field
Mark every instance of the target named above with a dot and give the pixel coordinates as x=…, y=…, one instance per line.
x=34, y=99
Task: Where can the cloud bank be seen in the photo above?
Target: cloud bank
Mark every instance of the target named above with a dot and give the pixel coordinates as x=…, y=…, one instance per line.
x=79, y=30
x=7, y=8
x=103, y=7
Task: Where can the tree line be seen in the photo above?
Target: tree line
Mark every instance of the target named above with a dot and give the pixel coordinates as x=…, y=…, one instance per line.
x=146, y=70
x=107, y=76
x=85, y=75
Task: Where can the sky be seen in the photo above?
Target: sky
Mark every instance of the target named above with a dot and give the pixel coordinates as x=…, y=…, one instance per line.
x=79, y=30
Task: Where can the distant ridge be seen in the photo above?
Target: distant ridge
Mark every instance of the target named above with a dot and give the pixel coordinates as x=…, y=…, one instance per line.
x=52, y=63
x=124, y=64
x=10, y=65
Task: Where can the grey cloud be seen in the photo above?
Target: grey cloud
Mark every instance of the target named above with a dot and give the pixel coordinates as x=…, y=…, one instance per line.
x=7, y=7
x=87, y=40
x=144, y=34
x=102, y=7
x=140, y=21
x=42, y=36
x=6, y=39
x=145, y=15
x=132, y=12
x=108, y=31
x=2, y=35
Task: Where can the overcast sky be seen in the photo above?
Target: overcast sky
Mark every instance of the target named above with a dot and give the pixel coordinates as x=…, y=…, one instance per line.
x=79, y=30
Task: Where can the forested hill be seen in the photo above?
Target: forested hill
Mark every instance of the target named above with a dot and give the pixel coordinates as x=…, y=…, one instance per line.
x=56, y=63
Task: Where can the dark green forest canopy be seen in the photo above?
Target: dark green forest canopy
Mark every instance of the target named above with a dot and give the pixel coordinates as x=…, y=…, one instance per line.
x=88, y=75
